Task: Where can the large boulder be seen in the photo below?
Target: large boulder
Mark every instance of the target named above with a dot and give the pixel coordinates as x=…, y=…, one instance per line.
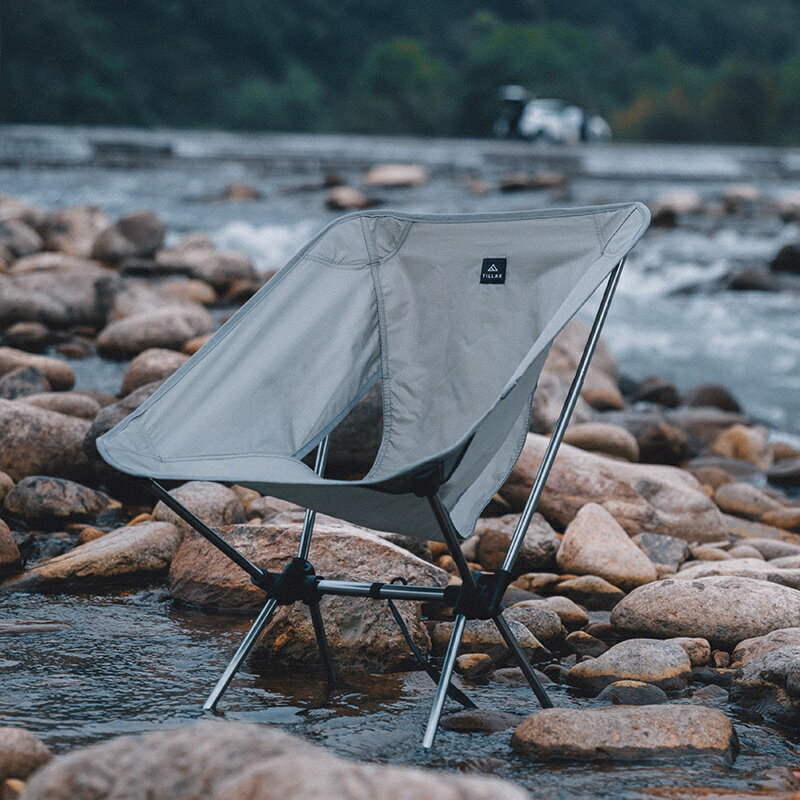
x=34, y=441
x=626, y=733
x=21, y=753
x=168, y=327
x=58, y=372
x=642, y=498
x=42, y=499
x=213, y=503
x=769, y=685
x=664, y=664
x=219, y=760
x=596, y=544
x=10, y=558
x=725, y=610
x=361, y=631
x=129, y=554
x=539, y=547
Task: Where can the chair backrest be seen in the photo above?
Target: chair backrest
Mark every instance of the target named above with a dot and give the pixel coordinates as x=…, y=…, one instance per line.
x=453, y=314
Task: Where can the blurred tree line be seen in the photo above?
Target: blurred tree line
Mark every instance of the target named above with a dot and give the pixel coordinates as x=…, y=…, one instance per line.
x=705, y=70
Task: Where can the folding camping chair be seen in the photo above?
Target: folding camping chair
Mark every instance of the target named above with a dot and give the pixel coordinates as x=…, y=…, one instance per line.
x=454, y=315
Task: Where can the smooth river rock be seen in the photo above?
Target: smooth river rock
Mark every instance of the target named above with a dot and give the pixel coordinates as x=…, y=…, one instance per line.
x=538, y=551
x=10, y=558
x=42, y=499
x=626, y=733
x=213, y=503
x=58, y=372
x=21, y=753
x=34, y=441
x=664, y=664
x=605, y=438
x=482, y=636
x=759, y=645
x=596, y=544
x=755, y=568
x=360, y=631
x=154, y=364
x=125, y=555
x=643, y=498
x=220, y=760
x=769, y=685
x=724, y=610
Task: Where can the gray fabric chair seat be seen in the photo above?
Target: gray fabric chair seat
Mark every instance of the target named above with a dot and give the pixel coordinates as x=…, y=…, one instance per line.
x=392, y=297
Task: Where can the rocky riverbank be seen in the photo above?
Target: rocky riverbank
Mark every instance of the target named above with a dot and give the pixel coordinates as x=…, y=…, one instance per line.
x=661, y=576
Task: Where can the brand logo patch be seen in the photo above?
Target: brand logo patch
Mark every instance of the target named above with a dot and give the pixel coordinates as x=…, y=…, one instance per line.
x=493, y=270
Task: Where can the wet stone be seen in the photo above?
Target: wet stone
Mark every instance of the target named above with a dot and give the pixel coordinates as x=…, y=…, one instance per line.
x=474, y=665
x=632, y=693
x=584, y=644
x=769, y=685
x=476, y=720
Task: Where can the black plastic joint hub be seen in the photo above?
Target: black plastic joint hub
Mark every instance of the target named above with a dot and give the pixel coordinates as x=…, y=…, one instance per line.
x=487, y=601
x=297, y=582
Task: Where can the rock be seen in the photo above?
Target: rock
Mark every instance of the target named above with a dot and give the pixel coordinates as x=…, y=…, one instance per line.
x=10, y=559
x=196, y=256
x=396, y=175
x=359, y=632
x=744, y=551
x=343, y=198
x=39, y=499
x=709, y=553
x=759, y=645
x=785, y=473
x=713, y=395
x=739, y=527
x=58, y=373
x=190, y=290
x=786, y=518
x=476, y=720
x=787, y=259
x=537, y=582
x=73, y=404
x=138, y=234
x=125, y=555
x=592, y=591
x=13, y=208
x=744, y=443
x=36, y=441
x=595, y=544
x=710, y=694
x=757, y=569
x=21, y=753
x=268, y=507
x=698, y=650
x=220, y=760
x=626, y=733
x=166, y=328
x=710, y=476
x=774, y=548
x=72, y=231
x=548, y=400
x=584, y=644
x=542, y=622
x=739, y=196
x=513, y=676
x=150, y=365
x=724, y=610
x=22, y=382
x=482, y=636
x=661, y=549
x=213, y=503
x=656, y=390
x=523, y=181
x=538, y=551
x=642, y=498
x=474, y=665
x=602, y=437
x=32, y=337
x=570, y=613
x=662, y=443
x=664, y=664
x=632, y=693
x=194, y=344
x=355, y=441
x=769, y=685
x=18, y=238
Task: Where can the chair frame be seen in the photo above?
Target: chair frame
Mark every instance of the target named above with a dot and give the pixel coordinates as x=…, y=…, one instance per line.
x=478, y=597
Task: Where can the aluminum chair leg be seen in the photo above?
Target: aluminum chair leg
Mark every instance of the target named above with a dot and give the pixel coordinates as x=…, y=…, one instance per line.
x=322, y=645
x=444, y=681
x=244, y=648
x=522, y=660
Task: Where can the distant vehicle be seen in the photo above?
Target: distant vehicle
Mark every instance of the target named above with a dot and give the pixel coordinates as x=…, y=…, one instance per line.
x=546, y=119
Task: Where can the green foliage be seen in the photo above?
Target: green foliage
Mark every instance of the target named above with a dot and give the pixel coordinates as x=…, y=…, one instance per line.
x=717, y=70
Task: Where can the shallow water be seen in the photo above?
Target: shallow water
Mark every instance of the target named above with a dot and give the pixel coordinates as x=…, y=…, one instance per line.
x=133, y=661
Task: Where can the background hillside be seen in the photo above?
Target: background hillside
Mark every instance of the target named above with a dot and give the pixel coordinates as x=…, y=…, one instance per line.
x=706, y=70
